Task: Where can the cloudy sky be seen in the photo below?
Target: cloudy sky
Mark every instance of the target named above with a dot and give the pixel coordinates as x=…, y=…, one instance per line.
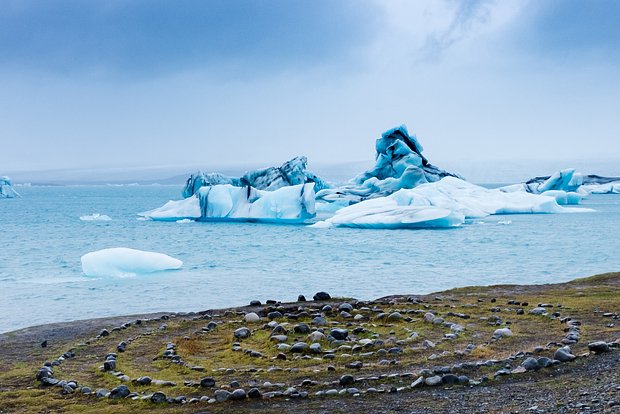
x=192, y=82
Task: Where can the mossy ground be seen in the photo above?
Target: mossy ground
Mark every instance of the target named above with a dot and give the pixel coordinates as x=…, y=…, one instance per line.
x=584, y=299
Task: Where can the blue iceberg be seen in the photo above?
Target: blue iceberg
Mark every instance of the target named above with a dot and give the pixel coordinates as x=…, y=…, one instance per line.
x=225, y=202
x=6, y=188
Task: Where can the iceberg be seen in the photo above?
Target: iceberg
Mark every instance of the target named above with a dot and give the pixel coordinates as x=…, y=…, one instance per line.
x=292, y=172
x=399, y=164
x=225, y=202
x=444, y=203
x=6, y=188
x=125, y=262
x=568, y=186
x=96, y=217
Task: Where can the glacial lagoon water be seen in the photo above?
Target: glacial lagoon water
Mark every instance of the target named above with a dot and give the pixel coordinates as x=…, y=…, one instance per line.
x=42, y=239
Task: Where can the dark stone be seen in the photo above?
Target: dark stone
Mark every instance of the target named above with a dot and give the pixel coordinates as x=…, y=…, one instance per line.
x=119, y=392
x=109, y=365
x=531, y=364
x=300, y=298
x=143, y=380
x=598, y=347
x=255, y=303
x=299, y=347
x=347, y=380
x=274, y=315
x=158, y=397
x=450, y=379
x=238, y=394
x=563, y=354
x=207, y=382
x=44, y=344
x=302, y=328
x=321, y=296
x=339, y=334
x=254, y=393
x=242, y=333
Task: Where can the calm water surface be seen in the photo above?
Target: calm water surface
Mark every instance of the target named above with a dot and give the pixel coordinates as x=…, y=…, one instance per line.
x=225, y=264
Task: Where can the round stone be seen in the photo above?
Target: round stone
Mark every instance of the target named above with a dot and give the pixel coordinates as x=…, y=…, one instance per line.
x=207, y=382
x=347, y=380
x=158, y=397
x=242, y=333
x=339, y=334
x=251, y=317
x=238, y=394
x=321, y=296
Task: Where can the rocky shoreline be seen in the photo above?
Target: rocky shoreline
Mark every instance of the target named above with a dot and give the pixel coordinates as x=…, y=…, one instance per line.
x=400, y=353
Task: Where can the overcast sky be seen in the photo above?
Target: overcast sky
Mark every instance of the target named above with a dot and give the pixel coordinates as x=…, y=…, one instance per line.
x=153, y=82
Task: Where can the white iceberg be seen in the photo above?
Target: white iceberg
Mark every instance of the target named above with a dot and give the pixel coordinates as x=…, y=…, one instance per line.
x=446, y=203
x=6, y=188
x=125, y=262
x=96, y=217
x=292, y=204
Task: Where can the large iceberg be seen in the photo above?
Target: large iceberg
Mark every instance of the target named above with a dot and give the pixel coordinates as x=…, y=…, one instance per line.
x=445, y=203
x=292, y=172
x=6, y=188
x=399, y=164
x=125, y=262
x=225, y=202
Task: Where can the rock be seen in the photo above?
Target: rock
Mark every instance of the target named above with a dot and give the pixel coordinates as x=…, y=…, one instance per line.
x=315, y=348
x=102, y=392
x=502, y=333
x=44, y=344
x=319, y=321
x=275, y=315
x=347, y=380
x=563, y=354
x=238, y=394
x=433, y=381
x=86, y=390
x=109, y=365
x=598, y=347
x=143, y=380
x=531, y=364
x=119, y=392
x=207, y=382
x=104, y=332
x=417, y=383
x=394, y=317
x=158, y=397
x=353, y=391
x=255, y=303
x=538, y=311
x=251, y=317
x=300, y=298
x=316, y=336
x=339, y=334
x=355, y=365
x=544, y=362
x=321, y=296
x=221, y=395
x=254, y=393
x=346, y=307
x=301, y=328
x=299, y=347
x=242, y=333
x=279, y=338
x=450, y=379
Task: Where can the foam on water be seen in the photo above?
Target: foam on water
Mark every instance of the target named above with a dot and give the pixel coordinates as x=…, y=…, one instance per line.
x=227, y=264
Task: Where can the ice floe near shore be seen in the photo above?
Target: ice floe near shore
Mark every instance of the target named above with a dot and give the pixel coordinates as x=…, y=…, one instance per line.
x=292, y=172
x=6, y=188
x=125, y=262
x=445, y=203
x=225, y=202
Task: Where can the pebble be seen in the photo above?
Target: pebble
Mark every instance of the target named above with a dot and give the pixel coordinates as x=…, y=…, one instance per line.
x=207, y=382
x=531, y=364
x=501, y=333
x=394, y=317
x=538, y=311
x=299, y=347
x=319, y=321
x=315, y=348
x=255, y=393
x=301, y=328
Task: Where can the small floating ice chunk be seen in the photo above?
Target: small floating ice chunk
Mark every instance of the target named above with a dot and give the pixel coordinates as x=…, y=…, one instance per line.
x=125, y=262
x=183, y=221
x=96, y=217
x=504, y=222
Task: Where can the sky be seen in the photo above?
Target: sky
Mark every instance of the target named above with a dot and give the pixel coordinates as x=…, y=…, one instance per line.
x=142, y=83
